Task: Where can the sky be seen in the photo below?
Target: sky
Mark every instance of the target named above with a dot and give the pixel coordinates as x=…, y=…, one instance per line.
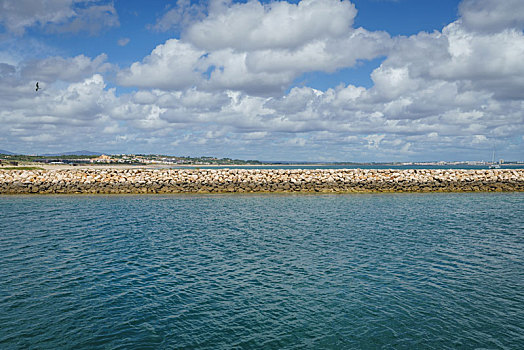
x=310, y=80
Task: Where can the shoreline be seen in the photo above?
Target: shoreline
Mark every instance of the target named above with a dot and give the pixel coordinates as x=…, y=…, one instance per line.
x=273, y=166
x=132, y=180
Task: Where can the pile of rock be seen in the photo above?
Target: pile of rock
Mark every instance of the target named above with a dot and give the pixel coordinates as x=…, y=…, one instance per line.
x=257, y=180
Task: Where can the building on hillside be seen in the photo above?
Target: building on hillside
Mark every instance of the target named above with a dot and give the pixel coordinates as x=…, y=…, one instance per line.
x=102, y=159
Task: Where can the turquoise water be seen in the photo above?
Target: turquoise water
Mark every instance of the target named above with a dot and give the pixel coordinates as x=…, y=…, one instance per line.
x=406, y=271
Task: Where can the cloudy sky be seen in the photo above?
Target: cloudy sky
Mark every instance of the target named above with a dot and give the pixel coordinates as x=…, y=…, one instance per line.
x=312, y=80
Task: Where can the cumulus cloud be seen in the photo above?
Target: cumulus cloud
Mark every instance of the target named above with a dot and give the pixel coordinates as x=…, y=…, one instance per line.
x=259, y=49
x=173, y=65
x=56, y=117
x=490, y=61
x=252, y=25
x=67, y=69
x=328, y=55
x=492, y=15
x=57, y=15
x=470, y=62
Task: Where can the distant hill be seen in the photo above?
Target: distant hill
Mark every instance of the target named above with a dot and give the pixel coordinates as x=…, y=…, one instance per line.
x=5, y=152
x=75, y=153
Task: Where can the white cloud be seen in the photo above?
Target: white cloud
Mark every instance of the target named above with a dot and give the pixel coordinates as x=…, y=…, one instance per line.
x=66, y=69
x=180, y=16
x=57, y=117
x=91, y=19
x=489, y=61
x=123, y=41
x=492, y=15
x=39, y=138
x=322, y=55
x=392, y=82
x=173, y=65
x=253, y=26
x=57, y=15
x=18, y=15
x=258, y=49
x=230, y=70
x=457, y=63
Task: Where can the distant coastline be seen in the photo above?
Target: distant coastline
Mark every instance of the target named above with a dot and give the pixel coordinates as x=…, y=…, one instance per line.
x=89, y=159
x=87, y=166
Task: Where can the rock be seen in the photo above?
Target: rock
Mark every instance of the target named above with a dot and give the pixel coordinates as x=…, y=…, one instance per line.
x=258, y=180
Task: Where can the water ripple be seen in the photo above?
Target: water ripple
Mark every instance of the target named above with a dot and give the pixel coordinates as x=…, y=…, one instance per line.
x=240, y=272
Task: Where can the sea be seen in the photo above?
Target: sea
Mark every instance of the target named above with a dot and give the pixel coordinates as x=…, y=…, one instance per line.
x=345, y=166
x=360, y=271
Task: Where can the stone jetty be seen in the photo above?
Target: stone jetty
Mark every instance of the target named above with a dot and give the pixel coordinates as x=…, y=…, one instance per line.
x=119, y=181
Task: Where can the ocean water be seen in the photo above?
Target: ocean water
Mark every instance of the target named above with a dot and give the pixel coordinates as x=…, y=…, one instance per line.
x=349, y=166
x=380, y=271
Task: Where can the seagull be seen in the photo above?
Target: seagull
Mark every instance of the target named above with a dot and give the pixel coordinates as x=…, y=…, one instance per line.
x=37, y=87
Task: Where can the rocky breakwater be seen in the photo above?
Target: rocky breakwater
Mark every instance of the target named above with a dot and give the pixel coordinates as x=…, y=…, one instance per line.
x=256, y=180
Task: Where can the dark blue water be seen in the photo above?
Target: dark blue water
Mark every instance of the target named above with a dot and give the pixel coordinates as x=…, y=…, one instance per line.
x=424, y=271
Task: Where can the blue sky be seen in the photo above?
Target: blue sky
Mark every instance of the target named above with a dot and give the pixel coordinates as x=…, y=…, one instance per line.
x=323, y=80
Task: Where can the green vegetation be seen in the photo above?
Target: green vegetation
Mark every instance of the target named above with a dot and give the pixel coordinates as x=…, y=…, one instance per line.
x=135, y=159
x=24, y=158
x=163, y=159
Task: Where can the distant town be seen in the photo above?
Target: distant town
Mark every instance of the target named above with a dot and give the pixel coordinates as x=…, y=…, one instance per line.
x=155, y=159
x=128, y=159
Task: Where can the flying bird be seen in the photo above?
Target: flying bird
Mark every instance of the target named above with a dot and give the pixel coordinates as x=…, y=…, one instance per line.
x=37, y=87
